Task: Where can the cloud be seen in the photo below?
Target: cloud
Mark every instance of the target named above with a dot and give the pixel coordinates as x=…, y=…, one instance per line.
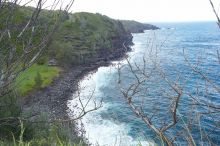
x=149, y=10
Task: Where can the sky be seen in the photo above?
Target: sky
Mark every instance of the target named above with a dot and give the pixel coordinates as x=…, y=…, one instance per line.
x=145, y=10
x=150, y=10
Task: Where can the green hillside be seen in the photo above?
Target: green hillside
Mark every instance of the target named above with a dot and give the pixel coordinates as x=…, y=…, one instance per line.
x=137, y=27
x=84, y=37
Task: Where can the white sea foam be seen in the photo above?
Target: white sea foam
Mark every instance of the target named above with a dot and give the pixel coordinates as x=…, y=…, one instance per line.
x=99, y=131
x=107, y=132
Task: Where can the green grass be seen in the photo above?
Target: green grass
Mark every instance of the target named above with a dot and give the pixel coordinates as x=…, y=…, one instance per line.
x=26, y=80
x=39, y=142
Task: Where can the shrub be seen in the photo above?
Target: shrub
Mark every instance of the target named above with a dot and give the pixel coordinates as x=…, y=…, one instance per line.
x=38, y=80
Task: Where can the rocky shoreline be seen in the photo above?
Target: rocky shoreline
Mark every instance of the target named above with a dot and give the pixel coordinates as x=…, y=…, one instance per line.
x=52, y=100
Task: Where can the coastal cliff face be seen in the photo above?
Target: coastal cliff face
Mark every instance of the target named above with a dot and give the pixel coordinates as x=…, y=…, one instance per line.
x=87, y=38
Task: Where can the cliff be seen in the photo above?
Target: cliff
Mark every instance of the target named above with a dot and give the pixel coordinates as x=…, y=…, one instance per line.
x=86, y=37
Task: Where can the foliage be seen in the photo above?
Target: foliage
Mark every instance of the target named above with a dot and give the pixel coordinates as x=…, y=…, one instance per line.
x=20, y=130
x=53, y=137
x=9, y=108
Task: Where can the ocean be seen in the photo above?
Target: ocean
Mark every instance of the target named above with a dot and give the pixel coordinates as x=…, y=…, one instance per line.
x=168, y=53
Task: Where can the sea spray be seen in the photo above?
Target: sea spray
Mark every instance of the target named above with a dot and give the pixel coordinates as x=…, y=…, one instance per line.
x=100, y=131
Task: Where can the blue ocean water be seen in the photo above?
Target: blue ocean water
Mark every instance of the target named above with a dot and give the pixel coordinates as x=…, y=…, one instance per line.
x=173, y=49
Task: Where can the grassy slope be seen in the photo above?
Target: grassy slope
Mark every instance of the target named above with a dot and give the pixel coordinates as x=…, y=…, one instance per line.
x=78, y=40
x=26, y=80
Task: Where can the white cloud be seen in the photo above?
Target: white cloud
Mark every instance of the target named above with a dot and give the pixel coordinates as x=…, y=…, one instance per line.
x=145, y=10
x=149, y=10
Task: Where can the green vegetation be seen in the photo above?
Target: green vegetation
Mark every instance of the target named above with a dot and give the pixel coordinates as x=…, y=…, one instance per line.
x=49, y=135
x=136, y=27
x=36, y=77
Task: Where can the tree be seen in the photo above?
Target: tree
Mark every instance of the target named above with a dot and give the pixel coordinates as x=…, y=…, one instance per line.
x=23, y=38
x=172, y=126
x=25, y=33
